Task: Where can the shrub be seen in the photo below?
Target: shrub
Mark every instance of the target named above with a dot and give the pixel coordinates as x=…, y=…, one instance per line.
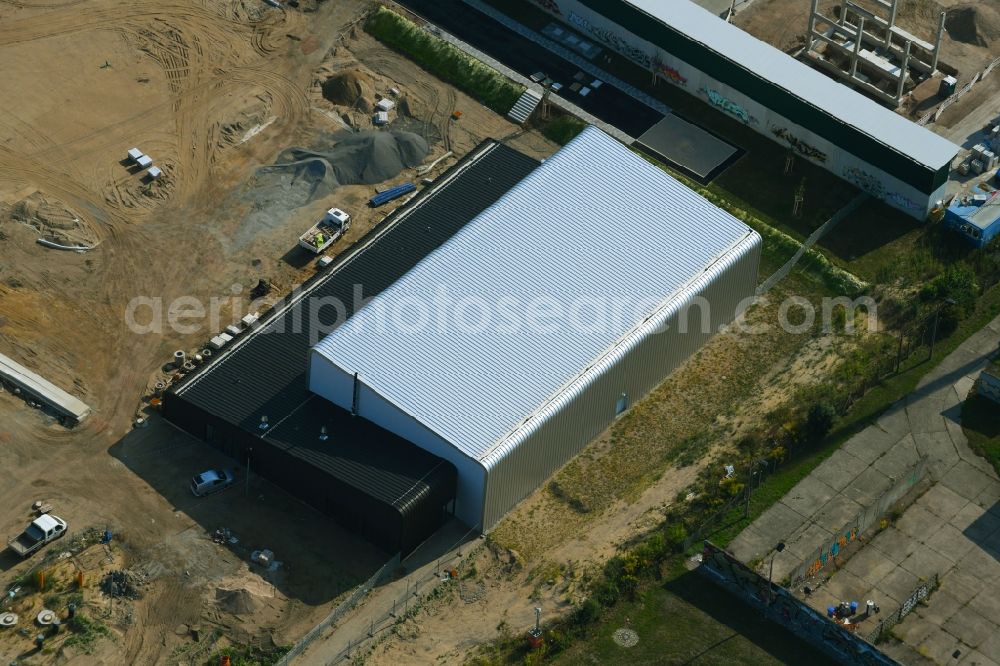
x=958, y=283
x=444, y=60
x=819, y=422
x=586, y=613
x=677, y=534
x=562, y=129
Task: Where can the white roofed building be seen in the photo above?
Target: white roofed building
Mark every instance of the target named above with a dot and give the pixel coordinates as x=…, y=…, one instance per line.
x=877, y=150
x=522, y=337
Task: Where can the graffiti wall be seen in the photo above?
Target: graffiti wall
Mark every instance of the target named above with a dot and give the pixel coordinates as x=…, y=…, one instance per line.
x=779, y=606
x=798, y=145
x=732, y=102
x=854, y=529
x=616, y=40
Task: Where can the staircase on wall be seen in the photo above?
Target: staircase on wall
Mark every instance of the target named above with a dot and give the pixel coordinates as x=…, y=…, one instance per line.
x=525, y=106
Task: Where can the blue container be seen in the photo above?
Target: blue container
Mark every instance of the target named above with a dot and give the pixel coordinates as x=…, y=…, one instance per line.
x=830, y=610
x=854, y=607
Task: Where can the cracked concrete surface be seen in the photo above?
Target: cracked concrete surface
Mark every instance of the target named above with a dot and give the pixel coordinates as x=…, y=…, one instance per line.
x=952, y=530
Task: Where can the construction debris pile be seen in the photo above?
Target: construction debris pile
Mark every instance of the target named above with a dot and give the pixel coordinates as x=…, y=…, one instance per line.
x=124, y=583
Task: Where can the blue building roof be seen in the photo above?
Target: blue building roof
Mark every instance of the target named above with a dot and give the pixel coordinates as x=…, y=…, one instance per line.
x=976, y=215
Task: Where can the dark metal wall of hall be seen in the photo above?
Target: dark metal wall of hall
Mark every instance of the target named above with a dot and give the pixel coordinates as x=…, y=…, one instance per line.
x=366, y=516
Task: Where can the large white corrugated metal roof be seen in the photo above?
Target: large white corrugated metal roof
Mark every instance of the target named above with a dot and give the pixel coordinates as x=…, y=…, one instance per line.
x=819, y=90
x=594, y=224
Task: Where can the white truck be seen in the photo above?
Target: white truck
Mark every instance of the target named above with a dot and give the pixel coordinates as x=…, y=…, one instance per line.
x=322, y=234
x=41, y=531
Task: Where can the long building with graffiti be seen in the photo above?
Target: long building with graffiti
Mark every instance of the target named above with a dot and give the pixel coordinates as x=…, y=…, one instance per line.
x=850, y=135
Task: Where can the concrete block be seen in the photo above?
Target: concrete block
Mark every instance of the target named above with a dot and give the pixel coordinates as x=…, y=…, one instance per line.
x=899, y=459
x=925, y=563
x=919, y=523
x=840, y=469
x=868, y=487
x=899, y=583
x=871, y=443
x=837, y=513
x=950, y=542
x=871, y=565
x=941, y=605
x=969, y=627
x=966, y=480
x=894, y=544
x=808, y=497
x=942, y=501
x=938, y=445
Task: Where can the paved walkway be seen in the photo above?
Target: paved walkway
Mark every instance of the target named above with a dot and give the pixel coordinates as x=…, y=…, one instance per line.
x=953, y=529
x=551, y=97
x=568, y=55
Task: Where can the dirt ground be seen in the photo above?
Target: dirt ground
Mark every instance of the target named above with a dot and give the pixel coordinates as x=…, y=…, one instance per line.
x=544, y=552
x=211, y=90
x=971, y=41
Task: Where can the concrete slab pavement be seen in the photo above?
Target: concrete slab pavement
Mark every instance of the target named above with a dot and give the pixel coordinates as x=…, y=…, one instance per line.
x=952, y=530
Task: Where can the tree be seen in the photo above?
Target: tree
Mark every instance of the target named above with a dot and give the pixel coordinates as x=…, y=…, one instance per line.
x=819, y=421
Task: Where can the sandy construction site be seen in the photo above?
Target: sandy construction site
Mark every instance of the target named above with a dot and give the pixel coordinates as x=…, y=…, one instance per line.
x=212, y=91
x=970, y=41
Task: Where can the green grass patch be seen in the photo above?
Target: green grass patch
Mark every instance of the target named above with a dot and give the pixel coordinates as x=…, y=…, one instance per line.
x=861, y=414
x=444, y=60
x=686, y=619
x=981, y=423
x=563, y=128
x=778, y=246
x=86, y=632
x=249, y=655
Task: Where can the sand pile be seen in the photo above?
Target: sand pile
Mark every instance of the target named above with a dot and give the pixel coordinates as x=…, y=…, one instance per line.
x=351, y=88
x=237, y=602
x=977, y=24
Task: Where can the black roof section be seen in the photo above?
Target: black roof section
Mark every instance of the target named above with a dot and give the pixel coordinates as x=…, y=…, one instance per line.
x=361, y=454
x=263, y=373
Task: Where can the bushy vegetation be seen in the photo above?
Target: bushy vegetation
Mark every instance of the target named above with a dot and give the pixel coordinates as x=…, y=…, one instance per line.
x=249, y=655
x=86, y=632
x=444, y=60
x=563, y=128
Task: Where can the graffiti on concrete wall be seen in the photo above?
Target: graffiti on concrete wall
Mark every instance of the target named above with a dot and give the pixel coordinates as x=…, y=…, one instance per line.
x=782, y=607
x=799, y=146
x=865, y=181
x=669, y=73
x=612, y=39
x=832, y=550
x=722, y=102
x=903, y=202
x=549, y=6
x=873, y=186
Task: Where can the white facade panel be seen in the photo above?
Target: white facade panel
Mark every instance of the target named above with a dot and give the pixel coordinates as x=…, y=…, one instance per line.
x=634, y=367
x=907, y=138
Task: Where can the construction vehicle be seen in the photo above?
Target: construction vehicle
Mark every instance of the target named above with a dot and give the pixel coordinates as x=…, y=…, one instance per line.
x=323, y=234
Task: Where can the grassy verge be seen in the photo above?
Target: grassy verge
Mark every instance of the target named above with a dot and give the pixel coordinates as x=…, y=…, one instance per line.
x=685, y=619
x=880, y=398
x=981, y=423
x=249, y=655
x=444, y=60
x=563, y=128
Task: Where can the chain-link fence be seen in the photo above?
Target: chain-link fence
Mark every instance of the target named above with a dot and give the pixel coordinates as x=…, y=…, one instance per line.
x=338, y=612
x=410, y=596
x=886, y=623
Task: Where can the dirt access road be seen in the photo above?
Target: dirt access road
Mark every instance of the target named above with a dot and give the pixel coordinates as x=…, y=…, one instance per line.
x=211, y=89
